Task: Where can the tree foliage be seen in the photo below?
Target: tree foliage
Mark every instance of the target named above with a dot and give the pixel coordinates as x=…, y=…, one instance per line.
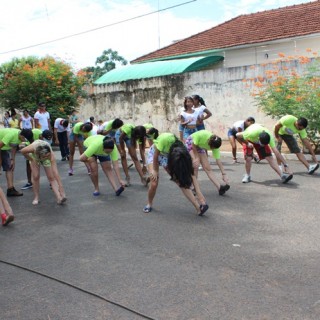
x=25, y=82
x=104, y=63
x=282, y=90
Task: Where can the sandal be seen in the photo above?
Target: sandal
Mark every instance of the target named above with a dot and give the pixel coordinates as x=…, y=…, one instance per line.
x=147, y=209
x=203, y=209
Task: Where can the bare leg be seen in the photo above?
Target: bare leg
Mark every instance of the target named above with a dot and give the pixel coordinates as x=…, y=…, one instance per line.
x=302, y=159
x=274, y=165
x=233, y=146
x=124, y=162
x=72, y=147
x=133, y=155
x=108, y=171
x=207, y=168
x=53, y=183
x=35, y=173
x=58, y=178
x=4, y=204
x=94, y=173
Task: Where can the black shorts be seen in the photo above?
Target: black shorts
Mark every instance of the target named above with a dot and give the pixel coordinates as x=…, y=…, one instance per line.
x=291, y=142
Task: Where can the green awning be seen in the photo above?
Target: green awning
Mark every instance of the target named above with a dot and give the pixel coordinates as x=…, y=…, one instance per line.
x=157, y=69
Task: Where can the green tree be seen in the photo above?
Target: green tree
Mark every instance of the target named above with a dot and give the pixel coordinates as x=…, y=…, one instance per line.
x=104, y=63
x=282, y=90
x=26, y=81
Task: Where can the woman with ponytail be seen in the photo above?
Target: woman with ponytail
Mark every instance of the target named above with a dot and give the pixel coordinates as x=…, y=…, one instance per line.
x=103, y=148
x=168, y=151
x=203, y=113
x=197, y=144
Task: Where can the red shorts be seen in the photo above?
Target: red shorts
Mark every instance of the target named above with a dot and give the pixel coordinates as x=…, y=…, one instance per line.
x=262, y=151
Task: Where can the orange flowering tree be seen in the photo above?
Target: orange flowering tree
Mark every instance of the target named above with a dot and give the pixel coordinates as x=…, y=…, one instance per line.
x=25, y=82
x=283, y=90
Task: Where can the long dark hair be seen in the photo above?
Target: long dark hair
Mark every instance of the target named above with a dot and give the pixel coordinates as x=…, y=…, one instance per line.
x=180, y=166
x=138, y=133
x=153, y=133
x=185, y=102
x=200, y=99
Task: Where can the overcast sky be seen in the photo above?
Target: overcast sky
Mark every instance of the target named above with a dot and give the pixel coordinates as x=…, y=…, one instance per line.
x=26, y=23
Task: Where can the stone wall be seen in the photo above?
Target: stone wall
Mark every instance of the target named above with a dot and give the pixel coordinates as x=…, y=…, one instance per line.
x=158, y=100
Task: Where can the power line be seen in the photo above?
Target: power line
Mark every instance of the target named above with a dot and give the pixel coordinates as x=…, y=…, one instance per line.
x=98, y=28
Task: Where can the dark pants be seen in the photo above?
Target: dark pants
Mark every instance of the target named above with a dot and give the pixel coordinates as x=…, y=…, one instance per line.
x=63, y=143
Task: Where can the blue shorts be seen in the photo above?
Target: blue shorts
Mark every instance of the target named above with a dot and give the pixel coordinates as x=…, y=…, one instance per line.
x=187, y=132
x=181, y=128
x=127, y=140
x=201, y=127
x=79, y=136
x=102, y=158
x=232, y=132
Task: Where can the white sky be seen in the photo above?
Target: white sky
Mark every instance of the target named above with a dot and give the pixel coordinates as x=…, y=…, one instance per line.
x=28, y=22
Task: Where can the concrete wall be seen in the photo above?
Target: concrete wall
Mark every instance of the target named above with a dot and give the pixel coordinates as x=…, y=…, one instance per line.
x=158, y=100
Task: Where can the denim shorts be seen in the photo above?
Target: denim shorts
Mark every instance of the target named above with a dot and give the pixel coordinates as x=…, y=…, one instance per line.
x=127, y=140
x=102, y=158
x=79, y=136
x=232, y=132
x=201, y=127
x=163, y=160
x=187, y=132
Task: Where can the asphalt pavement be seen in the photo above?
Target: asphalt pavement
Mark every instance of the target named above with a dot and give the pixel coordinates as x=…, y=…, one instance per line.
x=254, y=255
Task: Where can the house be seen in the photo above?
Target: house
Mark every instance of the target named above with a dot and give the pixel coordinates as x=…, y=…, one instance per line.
x=213, y=64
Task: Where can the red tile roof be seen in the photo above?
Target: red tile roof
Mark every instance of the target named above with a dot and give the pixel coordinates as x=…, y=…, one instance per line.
x=286, y=22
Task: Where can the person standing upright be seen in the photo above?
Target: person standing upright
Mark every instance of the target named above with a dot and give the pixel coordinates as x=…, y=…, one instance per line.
x=61, y=133
x=26, y=121
x=42, y=118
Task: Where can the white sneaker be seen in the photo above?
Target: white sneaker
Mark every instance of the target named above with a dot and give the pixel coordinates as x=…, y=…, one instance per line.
x=313, y=168
x=246, y=178
x=285, y=177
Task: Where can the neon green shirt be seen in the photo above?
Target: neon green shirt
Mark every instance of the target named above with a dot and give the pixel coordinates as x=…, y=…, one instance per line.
x=94, y=145
x=288, y=126
x=252, y=134
x=108, y=126
x=76, y=130
x=10, y=138
x=201, y=138
x=36, y=134
x=164, y=142
x=127, y=129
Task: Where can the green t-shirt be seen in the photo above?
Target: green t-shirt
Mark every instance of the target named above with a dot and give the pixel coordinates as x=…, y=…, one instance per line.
x=94, y=145
x=288, y=126
x=164, y=142
x=108, y=126
x=127, y=129
x=201, y=138
x=36, y=134
x=252, y=134
x=76, y=130
x=10, y=138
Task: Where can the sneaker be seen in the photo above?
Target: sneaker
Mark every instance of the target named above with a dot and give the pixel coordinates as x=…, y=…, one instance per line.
x=286, y=177
x=70, y=172
x=200, y=168
x=6, y=219
x=313, y=168
x=222, y=190
x=119, y=191
x=246, y=178
x=234, y=161
x=27, y=186
x=63, y=158
x=12, y=192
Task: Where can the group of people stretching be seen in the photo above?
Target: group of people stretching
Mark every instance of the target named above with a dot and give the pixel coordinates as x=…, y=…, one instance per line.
x=181, y=158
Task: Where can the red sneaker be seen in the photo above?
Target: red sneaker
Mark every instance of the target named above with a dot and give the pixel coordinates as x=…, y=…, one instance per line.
x=6, y=219
x=3, y=218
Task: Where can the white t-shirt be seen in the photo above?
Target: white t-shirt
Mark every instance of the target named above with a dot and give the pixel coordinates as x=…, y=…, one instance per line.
x=26, y=122
x=190, y=116
x=200, y=110
x=58, y=125
x=43, y=120
x=238, y=124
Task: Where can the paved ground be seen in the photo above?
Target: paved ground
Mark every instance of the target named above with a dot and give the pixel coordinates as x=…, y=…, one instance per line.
x=255, y=255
